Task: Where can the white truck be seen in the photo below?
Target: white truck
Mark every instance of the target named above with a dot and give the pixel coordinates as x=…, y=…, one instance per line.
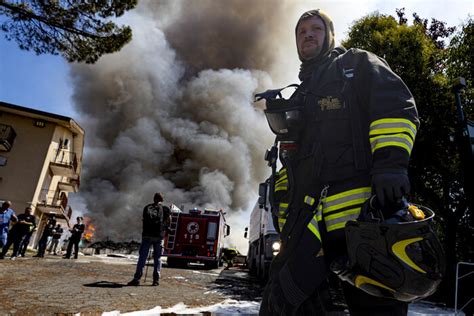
x=264, y=240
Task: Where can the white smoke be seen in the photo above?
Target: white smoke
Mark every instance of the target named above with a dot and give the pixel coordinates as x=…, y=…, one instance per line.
x=173, y=111
x=154, y=125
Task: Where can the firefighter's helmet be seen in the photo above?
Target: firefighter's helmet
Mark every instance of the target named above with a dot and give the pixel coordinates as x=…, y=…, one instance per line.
x=399, y=258
x=284, y=116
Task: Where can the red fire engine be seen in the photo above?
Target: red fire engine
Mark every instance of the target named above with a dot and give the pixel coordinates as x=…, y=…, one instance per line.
x=196, y=236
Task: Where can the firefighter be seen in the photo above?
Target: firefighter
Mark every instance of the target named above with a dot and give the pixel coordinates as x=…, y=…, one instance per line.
x=156, y=221
x=345, y=133
x=228, y=255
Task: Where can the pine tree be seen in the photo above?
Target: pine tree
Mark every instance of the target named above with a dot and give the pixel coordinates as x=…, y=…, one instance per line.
x=77, y=29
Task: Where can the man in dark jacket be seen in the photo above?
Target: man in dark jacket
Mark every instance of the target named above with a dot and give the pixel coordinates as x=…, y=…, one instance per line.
x=57, y=233
x=156, y=220
x=47, y=232
x=26, y=223
x=353, y=139
x=75, y=238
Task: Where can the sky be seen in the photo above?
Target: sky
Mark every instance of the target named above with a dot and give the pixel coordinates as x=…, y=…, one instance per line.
x=48, y=83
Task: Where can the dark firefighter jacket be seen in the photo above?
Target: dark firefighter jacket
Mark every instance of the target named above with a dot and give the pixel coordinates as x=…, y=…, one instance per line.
x=156, y=219
x=360, y=119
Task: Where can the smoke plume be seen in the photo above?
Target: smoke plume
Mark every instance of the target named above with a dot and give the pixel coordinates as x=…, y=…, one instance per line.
x=173, y=111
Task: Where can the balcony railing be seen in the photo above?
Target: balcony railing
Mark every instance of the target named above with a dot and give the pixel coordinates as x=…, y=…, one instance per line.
x=53, y=203
x=7, y=136
x=64, y=163
x=53, y=198
x=71, y=185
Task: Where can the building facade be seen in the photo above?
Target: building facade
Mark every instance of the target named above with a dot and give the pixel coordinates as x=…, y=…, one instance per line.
x=40, y=162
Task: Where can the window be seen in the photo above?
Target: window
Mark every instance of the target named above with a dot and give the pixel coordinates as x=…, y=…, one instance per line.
x=211, y=231
x=7, y=136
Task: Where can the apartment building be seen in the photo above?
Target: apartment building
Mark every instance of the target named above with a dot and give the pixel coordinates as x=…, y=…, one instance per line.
x=40, y=162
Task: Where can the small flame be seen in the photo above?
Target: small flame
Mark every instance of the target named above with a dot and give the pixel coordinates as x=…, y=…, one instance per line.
x=89, y=231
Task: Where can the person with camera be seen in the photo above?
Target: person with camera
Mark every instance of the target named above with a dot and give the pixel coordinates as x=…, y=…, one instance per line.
x=75, y=238
x=156, y=221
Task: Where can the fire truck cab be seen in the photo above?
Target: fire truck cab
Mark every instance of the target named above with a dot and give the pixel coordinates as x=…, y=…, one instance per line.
x=196, y=236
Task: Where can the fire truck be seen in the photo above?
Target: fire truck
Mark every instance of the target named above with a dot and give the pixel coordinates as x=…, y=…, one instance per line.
x=195, y=236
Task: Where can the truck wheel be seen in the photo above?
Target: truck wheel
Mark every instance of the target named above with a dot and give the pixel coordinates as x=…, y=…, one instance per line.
x=177, y=263
x=211, y=264
x=262, y=271
x=253, y=268
x=172, y=262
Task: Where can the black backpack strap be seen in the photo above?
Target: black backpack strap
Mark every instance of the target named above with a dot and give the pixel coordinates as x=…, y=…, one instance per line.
x=350, y=96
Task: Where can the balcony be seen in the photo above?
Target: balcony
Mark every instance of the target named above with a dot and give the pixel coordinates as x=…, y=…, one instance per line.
x=7, y=136
x=72, y=185
x=53, y=203
x=64, y=164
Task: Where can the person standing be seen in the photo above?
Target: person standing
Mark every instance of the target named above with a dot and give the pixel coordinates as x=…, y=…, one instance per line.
x=47, y=232
x=156, y=220
x=75, y=238
x=346, y=133
x=26, y=241
x=25, y=223
x=57, y=233
x=6, y=215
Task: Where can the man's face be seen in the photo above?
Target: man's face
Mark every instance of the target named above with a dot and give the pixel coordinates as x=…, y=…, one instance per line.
x=310, y=36
x=28, y=211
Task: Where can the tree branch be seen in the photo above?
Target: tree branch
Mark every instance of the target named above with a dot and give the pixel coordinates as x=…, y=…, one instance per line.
x=30, y=15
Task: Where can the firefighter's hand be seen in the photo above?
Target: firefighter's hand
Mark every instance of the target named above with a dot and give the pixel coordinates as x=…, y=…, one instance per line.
x=390, y=187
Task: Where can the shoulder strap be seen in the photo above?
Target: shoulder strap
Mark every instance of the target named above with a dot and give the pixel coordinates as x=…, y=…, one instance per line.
x=349, y=93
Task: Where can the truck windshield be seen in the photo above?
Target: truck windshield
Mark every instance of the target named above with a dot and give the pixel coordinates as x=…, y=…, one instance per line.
x=211, y=231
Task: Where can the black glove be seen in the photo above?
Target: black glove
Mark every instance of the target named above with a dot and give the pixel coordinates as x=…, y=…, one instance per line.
x=390, y=187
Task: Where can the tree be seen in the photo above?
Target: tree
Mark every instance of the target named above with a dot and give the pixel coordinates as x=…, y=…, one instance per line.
x=460, y=61
x=78, y=30
x=418, y=54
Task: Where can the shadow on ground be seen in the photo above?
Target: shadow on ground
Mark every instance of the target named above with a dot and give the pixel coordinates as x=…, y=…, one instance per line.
x=238, y=285
x=105, y=284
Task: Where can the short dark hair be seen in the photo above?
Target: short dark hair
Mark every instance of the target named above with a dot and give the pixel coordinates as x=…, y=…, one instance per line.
x=159, y=196
x=80, y=217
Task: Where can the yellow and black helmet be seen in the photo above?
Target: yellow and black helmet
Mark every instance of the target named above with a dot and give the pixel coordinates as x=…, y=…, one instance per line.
x=399, y=258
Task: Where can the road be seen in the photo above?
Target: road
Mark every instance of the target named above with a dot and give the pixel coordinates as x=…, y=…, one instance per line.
x=95, y=284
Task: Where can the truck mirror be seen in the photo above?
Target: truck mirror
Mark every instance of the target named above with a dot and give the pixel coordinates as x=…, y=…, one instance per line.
x=227, y=230
x=262, y=194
